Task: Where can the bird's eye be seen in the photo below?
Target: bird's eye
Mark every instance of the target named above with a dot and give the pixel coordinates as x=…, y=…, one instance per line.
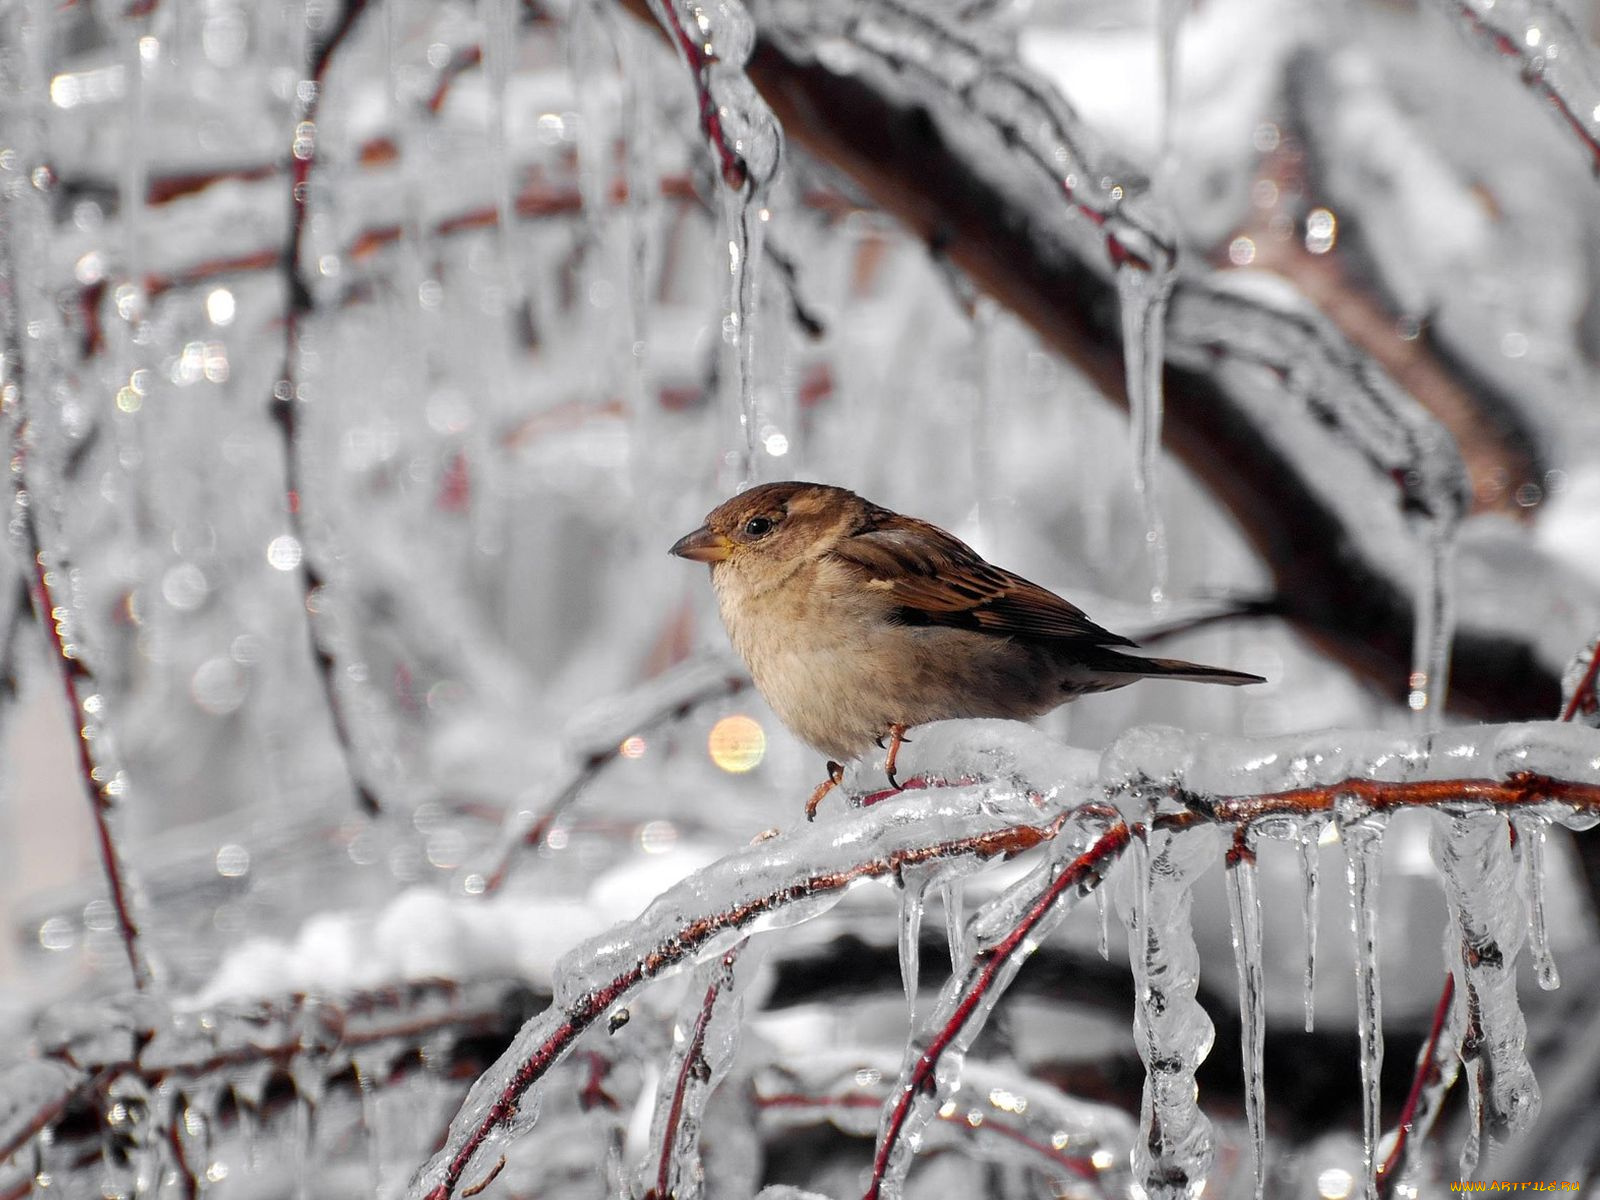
x=758, y=527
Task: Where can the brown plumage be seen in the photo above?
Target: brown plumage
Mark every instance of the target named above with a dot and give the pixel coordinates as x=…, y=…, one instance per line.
x=857, y=622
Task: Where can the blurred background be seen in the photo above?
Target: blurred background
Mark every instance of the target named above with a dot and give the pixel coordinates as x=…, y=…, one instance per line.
x=363, y=360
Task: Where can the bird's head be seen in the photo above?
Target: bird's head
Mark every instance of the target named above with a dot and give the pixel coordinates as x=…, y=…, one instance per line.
x=772, y=528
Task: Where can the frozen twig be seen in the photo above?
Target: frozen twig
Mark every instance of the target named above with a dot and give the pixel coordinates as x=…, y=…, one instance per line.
x=99, y=1045
x=102, y=781
x=687, y=1088
x=1555, y=59
x=968, y=1001
x=286, y=399
x=1429, y=1086
x=733, y=118
x=660, y=702
x=1582, y=700
x=808, y=868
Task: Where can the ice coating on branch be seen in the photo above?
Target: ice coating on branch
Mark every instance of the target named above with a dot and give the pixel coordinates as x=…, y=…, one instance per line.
x=1554, y=56
x=1173, y=1153
x=1473, y=854
x=1531, y=830
x=1244, y=911
x=705, y=1039
x=1362, y=835
x=988, y=750
x=1144, y=760
x=1004, y=933
x=809, y=868
x=1216, y=767
x=1272, y=348
x=1143, y=291
x=1259, y=318
x=784, y=880
x=998, y=112
x=26, y=1089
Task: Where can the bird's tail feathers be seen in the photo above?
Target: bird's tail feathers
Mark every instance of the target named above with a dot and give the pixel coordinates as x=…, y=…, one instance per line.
x=1112, y=662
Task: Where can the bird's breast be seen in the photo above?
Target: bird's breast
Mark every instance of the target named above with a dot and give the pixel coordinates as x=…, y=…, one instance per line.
x=817, y=654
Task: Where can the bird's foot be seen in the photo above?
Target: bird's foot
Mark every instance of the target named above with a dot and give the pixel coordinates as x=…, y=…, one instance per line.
x=834, y=779
x=897, y=738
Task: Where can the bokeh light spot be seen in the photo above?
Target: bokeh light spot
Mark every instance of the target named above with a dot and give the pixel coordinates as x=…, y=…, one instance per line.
x=737, y=743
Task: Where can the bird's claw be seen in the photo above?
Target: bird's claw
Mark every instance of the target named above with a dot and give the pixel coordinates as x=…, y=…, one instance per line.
x=897, y=738
x=834, y=779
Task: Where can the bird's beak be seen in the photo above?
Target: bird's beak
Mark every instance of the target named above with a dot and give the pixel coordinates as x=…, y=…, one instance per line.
x=702, y=546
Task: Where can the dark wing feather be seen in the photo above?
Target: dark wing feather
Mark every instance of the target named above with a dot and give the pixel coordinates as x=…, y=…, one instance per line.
x=937, y=579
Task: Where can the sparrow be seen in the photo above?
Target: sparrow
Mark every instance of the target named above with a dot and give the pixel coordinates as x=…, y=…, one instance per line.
x=858, y=623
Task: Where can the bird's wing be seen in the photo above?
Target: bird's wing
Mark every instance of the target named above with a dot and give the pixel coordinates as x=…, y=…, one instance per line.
x=934, y=578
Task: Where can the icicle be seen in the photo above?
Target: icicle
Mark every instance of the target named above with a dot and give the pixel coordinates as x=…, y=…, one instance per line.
x=1169, y=18
x=641, y=161
x=985, y=470
x=1473, y=854
x=1103, y=919
x=1472, y=1146
x=1363, y=844
x=715, y=42
x=1434, y=632
x=499, y=45
x=1143, y=291
x=1244, y=907
x=745, y=228
x=1309, y=837
x=1531, y=831
x=955, y=920
x=913, y=895
x=1173, y=1033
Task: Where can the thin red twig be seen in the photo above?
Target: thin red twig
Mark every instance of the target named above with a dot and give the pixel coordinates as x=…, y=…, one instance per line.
x=1427, y=1070
x=694, y=1064
x=1583, y=699
x=98, y=782
x=285, y=398
x=687, y=941
x=1517, y=790
x=982, y=978
x=1535, y=80
x=578, y=780
x=735, y=171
